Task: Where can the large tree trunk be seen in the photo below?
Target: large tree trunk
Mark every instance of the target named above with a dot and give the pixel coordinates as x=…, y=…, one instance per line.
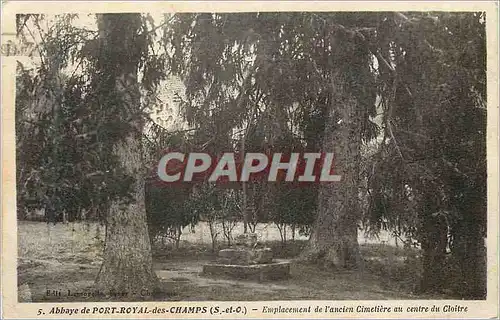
x=334, y=237
x=469, y=251
x=127, y=265
x=473, y=262
x=434, y=241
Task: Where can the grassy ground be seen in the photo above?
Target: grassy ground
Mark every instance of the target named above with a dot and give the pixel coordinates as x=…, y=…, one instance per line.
x=58, y=258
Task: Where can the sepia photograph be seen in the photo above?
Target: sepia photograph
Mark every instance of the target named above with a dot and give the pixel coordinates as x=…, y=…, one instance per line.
x=264, y=155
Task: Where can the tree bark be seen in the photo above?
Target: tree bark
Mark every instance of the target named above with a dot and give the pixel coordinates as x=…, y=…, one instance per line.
x=470, y=252
x=334, y=236
x=127, y=267
x=433, y=244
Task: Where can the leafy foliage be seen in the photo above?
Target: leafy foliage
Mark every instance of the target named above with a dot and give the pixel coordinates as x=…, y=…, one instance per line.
x=261, y=81
x=427, y=71
x=429, y=176
x=65, y=131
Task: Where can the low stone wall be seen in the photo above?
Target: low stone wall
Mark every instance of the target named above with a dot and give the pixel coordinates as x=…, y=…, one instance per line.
x=243, y=256
x=278, y=270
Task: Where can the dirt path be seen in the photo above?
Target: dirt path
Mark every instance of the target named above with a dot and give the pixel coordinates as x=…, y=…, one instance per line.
x=306, y=282
x=182, y=280
x=192, y=273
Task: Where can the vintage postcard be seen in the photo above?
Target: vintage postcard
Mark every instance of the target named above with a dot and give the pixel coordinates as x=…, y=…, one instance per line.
x=249, y=159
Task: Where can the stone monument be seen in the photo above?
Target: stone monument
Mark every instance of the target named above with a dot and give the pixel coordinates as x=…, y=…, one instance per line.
x=247, y=259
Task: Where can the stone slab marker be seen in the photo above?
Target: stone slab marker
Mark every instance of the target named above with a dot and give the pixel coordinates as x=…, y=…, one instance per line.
x=279, y=270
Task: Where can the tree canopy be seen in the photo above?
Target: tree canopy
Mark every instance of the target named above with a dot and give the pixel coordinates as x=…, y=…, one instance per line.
x=416, y=82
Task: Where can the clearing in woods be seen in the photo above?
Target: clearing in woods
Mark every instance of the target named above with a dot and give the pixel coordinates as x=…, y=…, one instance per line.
x=53, y=259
